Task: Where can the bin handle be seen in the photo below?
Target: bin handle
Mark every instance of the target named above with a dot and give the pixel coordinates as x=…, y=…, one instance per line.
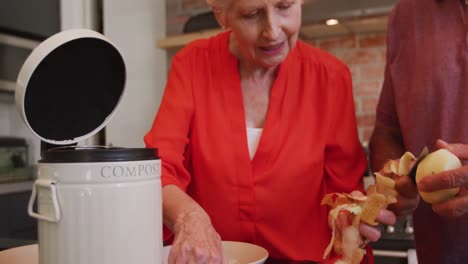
x=48, y=184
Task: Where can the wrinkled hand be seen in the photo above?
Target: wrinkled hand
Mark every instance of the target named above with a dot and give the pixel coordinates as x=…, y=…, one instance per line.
x=372, y=233
x=458, y=205
x=408, y=196
x=196, y=241
x=368, y=232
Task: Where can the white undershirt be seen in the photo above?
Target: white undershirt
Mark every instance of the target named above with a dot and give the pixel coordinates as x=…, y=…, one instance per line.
x=253, y=137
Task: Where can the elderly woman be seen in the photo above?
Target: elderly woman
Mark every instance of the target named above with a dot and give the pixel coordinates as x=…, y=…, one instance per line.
x=254, y=128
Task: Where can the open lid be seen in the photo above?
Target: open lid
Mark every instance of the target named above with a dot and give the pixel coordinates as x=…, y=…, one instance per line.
x=70, y=86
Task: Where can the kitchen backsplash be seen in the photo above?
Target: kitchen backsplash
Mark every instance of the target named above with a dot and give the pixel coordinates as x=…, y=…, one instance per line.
x=365, y=56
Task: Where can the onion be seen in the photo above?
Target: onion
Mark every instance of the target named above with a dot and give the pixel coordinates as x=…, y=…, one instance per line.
x=437, y=161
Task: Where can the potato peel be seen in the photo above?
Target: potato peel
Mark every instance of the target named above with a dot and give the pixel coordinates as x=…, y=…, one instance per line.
x=350, y=245
x=372, y=207
x=404, y=164
x=363, y=208
x=335, y=241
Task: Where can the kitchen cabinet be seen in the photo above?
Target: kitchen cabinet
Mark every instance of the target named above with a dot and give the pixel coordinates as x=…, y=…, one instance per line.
x=14, y=50
x=16, y=227
x=30, y=18
x=23, y=24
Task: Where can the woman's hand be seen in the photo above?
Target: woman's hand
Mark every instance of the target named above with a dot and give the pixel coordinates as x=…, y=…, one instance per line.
x=196, y=241
x=368, y=232
x=372, y=233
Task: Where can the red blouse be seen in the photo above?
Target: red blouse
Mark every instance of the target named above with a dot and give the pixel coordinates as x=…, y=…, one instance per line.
x=309, y=146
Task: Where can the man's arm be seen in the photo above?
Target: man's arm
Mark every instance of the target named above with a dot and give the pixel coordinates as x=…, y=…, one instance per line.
x=385, y=144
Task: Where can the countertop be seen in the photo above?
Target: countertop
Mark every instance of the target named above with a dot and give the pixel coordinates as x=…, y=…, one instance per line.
x=16, y=187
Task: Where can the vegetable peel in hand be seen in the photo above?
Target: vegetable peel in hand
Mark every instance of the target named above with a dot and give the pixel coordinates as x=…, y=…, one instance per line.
x=354, y=209
x=399, y=167
x=359, y=207
x=365, y=208
x=372, y=207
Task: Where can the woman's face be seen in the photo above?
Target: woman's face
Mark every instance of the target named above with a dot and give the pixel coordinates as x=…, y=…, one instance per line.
x=265, y=30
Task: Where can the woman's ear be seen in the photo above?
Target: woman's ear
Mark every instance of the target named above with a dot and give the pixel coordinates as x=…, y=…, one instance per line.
x=220, y=16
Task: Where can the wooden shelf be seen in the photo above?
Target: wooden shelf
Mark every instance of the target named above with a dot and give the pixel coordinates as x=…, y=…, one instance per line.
x=181, y=40
x=308, y=32
x=347, y=27
x=19, y=42
x=7, y=86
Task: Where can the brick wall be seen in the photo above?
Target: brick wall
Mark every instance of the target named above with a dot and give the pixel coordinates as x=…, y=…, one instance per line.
x=365, y=56
x=363, y=53
x=179, y=11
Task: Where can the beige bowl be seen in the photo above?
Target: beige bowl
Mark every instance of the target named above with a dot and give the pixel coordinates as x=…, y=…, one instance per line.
x=236, y=253
x=20, y=255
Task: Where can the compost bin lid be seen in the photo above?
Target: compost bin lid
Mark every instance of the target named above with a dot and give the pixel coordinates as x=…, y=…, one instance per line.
x=70, y=86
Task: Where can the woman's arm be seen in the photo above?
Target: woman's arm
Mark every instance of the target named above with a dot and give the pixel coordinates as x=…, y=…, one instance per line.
x=196, y=240
x=177, y=205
